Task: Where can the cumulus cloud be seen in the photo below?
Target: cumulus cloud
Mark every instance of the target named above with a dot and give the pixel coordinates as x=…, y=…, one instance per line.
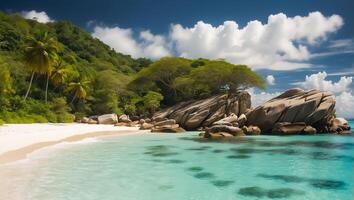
x=258, y=98
x=345, y=105
x=41, y=17
x=342, y=89
x=270, y=80
x=281, y=43
x=122, y=40
x=318, y=81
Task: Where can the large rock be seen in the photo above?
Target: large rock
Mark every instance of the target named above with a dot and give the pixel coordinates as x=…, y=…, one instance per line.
x=312, y=107
x=108, y=119
x=202, y=113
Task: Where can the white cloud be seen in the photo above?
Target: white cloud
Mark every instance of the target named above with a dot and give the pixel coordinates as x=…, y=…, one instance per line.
x=260, y=98
x=282, y=43
x=345, y=105
x=122, y=40
x=342, y=43
x=318, y=81
x=270, y=80
x=41, y=17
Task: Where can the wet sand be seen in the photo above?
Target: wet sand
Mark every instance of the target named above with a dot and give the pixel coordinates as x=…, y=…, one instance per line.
x=19, y=154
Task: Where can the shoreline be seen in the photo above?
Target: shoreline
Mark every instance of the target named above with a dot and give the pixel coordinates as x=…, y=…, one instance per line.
x=38, y=140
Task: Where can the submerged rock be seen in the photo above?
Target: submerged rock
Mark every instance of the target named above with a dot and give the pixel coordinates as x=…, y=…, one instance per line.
x=202, y=113
x=219, y=135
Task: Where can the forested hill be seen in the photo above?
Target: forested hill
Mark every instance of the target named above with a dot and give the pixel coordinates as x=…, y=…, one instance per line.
x=48, y=72
x=77, y=46
x=81, y=58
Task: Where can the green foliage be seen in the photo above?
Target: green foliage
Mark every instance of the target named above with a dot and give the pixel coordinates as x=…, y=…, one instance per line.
x=179, y=79
x=41, y=52
x=152, y=100
x=222, y=76
x=34, y=111
x=5, y=81
x=163, y=73
x=61, y=110
x=82, y=75
x=1, y=122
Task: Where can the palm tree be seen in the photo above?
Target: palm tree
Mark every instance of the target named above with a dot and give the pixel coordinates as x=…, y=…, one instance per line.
x=59, y=73
x=78, y=89
x=40, y=54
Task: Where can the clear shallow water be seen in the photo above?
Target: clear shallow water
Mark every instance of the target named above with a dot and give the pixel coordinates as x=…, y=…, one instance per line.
x=177, y=166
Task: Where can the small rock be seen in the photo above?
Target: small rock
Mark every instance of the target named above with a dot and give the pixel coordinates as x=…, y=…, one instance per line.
x=124, y=118
x=338, y=125
x=167, y=130
x=226, y=129
x=85, y=120
x=230, y=120
x=92, y=121
x=122, y=124
x=220, y=135
x=287, y=128
x=242, y=120
x=141, y=121
x=108, y=119
x=309, y=130
x=251, y=130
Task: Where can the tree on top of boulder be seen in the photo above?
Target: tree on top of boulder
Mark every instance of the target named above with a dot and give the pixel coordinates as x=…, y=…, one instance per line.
x=218, y=77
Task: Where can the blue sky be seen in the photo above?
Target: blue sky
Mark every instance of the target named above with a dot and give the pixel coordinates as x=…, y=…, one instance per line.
x=288, y=41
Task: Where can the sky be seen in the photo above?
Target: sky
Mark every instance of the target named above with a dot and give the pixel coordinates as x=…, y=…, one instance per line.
x=307, y=44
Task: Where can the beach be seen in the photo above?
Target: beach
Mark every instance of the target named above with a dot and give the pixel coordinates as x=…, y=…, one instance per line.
x=18, y=140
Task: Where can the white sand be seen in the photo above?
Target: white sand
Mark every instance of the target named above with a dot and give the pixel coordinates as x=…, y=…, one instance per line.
x=16, y=136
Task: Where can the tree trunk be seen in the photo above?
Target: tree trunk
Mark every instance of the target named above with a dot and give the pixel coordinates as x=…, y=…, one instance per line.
x=29, y=86
x=72, y=101
x=46, y=89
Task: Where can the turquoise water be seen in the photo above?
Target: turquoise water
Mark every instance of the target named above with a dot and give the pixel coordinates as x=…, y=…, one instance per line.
x=180, y=166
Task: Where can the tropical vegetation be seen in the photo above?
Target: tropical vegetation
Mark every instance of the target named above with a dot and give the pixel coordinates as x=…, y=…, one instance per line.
x=51, y=72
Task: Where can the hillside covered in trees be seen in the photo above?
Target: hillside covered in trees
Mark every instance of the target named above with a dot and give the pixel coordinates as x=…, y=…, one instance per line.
x=50, y=72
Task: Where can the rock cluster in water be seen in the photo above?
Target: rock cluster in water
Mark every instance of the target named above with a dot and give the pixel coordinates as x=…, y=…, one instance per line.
x=295, y=111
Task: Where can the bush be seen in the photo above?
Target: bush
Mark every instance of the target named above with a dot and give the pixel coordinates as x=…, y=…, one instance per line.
x=1, y=122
